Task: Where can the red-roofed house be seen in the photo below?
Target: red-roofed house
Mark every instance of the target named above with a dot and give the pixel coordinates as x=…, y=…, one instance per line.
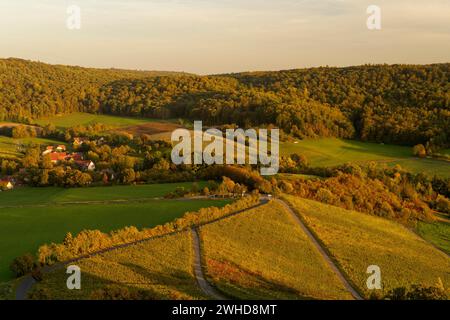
x=56, y=157
x=85, y=165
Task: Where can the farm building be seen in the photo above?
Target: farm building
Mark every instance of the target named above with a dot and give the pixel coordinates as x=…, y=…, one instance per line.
x=85, y=165
x=6, y=184
x=77, y=141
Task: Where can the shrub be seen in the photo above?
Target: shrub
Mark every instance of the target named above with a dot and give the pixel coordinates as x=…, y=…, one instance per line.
x=419, y=151
x=418, y=292
x=117, y=292
x=325, y=195
x=40, y=294
x=443, y=204
x=23, y=265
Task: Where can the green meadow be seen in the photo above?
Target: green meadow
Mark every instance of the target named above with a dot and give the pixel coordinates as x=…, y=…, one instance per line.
x=53, y=195
x=438, y=233
x=330, y=152
x=46, y=216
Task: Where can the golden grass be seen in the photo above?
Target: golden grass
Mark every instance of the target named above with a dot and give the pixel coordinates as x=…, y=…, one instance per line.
x=162, y=267
x=263, y=254
x=357, y=240
x=7, y=289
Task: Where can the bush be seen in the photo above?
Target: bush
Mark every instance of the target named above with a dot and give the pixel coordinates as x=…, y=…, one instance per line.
x=419, y=151
x=418, y=292
x=443, y=204
x=23, y=265
x=116, y=292
x=40, y=294
x=325, y=195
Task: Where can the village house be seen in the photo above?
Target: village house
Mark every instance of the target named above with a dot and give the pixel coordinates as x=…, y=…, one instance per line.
x=48, y=150
x=76, y=157
x=57, y=157
x=61, y=148
x=78, y=141
x=52, y=149
x=6, y=184
x=86, y=165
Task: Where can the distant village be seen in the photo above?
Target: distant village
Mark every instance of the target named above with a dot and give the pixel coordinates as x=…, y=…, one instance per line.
x=58, y=154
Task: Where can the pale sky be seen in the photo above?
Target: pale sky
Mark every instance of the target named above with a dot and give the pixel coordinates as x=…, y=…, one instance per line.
x=219, y=36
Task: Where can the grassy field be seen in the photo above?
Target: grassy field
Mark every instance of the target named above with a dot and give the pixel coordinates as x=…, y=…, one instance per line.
x=32, y=224
x=357, y=241
x=11, y=148
x=331, y=152
x=80, y=118
x=161, y=267
x=263, y=254
x=52, y=195
x=437, y=233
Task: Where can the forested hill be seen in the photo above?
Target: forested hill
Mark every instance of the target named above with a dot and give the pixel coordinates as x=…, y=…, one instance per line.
x=398, y=103
x=30, y=90
x=392, y=104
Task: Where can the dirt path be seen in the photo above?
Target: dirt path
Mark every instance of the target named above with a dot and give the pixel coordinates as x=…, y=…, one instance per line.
x=198, y=269
x=24, y=286
x=322, y=251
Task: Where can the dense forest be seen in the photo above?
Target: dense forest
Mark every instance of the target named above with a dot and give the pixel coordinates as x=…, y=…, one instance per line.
x=399, y=104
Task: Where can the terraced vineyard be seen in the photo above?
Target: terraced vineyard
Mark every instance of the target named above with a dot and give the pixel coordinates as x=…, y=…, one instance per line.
x=357, y=241
x=162, y=268
x=263, y=254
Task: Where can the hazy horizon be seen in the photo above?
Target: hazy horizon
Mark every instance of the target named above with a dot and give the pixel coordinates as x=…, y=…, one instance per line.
x=225, y=36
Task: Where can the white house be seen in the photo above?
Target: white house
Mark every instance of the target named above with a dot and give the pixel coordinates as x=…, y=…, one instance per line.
x=6, y=184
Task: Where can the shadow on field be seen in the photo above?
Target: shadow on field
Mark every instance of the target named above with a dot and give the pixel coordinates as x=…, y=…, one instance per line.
x=174, y=284
x=375, y=149
x=247, y=284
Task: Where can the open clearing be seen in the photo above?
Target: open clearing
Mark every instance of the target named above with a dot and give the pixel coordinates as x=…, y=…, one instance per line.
x=53, y=195
x=44, y=218
x=263, y=254
x=161, y=267
x=330, y=152
x=357, y=240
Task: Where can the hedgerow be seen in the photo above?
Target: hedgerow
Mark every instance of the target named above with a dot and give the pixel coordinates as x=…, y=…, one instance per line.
x=92, y=241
